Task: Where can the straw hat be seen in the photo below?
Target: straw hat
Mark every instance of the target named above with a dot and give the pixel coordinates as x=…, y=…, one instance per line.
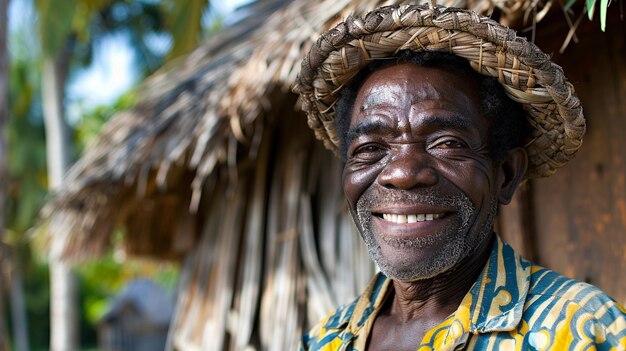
x=526, y=73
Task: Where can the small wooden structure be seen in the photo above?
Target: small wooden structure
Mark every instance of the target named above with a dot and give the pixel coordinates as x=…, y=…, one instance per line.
x=137, y=320
x=216, y=167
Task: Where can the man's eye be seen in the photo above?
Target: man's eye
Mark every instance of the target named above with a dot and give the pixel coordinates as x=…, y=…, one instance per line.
x=451, y=144
x=367, y=149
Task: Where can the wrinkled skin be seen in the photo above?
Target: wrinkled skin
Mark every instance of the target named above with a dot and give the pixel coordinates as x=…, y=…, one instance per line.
x=419, y=145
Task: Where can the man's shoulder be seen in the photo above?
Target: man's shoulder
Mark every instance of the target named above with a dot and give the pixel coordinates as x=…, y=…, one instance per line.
x=339, y=318
x=549, y=284
x=328, y=329
x=347, y=319
x=554, y=296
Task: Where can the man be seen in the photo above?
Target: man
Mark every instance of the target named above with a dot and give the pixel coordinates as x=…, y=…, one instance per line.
x=417, y=103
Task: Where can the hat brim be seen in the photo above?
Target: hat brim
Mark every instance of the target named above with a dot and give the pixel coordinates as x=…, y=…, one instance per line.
x=527, y=74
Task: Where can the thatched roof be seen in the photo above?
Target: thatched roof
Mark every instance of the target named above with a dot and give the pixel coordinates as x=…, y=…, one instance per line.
x=197, y=119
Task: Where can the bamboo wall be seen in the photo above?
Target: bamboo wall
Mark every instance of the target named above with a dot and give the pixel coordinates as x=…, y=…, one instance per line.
x=277, y=252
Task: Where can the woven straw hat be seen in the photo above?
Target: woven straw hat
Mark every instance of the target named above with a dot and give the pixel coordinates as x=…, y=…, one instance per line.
x=527, y=74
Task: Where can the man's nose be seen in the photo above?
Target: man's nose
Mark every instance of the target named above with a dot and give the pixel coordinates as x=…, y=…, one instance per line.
x=408, y=171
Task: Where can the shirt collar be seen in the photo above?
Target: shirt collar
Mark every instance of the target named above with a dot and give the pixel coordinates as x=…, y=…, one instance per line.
x=494, y=303
x=496, y=300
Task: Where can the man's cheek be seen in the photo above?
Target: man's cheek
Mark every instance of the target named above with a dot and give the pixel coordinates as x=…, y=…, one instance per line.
x=352, y=188
x=356, y=183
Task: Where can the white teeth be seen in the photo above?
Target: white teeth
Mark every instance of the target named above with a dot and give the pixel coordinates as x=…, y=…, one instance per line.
x=412, y=218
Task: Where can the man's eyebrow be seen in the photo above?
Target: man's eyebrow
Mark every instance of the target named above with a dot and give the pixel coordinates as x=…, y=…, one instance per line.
x=367, y=127
x=450, y=121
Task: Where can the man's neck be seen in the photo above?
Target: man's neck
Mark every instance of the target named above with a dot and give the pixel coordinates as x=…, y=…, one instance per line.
x=438, y=296
x=417, y=307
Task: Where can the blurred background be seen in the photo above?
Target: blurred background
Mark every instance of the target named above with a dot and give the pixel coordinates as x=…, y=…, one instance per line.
x=189, y=150
x=102, y=50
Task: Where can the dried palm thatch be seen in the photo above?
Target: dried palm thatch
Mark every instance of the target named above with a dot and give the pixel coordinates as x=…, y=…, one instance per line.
x=216, y=166
x=263, y=269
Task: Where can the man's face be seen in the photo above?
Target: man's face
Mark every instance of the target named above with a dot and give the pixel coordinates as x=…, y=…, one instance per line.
x=419, y=178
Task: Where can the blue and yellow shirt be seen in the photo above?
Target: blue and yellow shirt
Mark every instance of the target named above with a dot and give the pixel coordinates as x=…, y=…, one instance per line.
x=513, y=305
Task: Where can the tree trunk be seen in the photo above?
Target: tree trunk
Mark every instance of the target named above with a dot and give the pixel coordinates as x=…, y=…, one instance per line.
x=4, y=110
x=64, y=320
x=4, y=335
x=4, y=113
x=63, y=297
x=18, y=306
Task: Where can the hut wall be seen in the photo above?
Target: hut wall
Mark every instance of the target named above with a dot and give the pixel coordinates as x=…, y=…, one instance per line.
x=575, y=221
x=277, y=251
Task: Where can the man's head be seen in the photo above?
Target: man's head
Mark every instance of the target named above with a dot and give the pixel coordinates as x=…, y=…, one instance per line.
x=427, y=140
x=420, y=176
x=509, y=127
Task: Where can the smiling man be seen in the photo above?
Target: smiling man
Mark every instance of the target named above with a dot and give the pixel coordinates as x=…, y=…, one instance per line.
x=418, y=102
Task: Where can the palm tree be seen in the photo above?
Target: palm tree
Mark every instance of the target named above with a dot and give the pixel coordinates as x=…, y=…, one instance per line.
x=59, y=37
x=8, y=257
x=184, y=20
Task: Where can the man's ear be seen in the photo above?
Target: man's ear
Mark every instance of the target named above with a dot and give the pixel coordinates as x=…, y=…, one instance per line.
x=510, y=173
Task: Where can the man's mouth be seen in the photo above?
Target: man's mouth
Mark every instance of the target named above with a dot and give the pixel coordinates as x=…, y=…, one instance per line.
x=409, y=218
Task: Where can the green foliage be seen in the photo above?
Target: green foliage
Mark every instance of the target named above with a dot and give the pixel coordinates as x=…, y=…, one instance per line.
x=87, y=11
x=92, y=121
x=137, y=19
x=26, y=159
x=74, y=27
x=55, y=24
x=103, y=278
x=62, y=20
x=604, y=4
x=37, y=300
x=184, y=20
x=590, y=6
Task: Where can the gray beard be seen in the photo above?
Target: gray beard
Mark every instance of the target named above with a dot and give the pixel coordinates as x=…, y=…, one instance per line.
x=459, y=241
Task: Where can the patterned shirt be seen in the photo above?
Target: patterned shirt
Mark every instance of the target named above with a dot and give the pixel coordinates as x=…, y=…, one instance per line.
x=513, y=305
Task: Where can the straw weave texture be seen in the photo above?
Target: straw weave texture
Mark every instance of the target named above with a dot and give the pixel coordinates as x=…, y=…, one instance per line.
x=527, y=74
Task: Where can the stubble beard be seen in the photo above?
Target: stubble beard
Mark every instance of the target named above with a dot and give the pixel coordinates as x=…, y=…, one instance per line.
x=459, y=240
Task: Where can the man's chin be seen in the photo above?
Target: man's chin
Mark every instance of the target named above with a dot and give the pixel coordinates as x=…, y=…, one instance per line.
x=414, y=265
x=408, y=275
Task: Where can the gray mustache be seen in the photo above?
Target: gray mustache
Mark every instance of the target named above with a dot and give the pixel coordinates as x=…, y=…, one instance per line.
x=375, y=197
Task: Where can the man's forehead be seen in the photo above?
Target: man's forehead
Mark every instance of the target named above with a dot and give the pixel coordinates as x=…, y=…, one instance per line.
x=378, y=94
x=407, y=83
x=411, y=95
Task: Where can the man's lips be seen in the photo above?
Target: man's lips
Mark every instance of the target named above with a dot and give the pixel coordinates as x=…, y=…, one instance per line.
x=410, y=218
x=410, y=213
x=405, y=223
